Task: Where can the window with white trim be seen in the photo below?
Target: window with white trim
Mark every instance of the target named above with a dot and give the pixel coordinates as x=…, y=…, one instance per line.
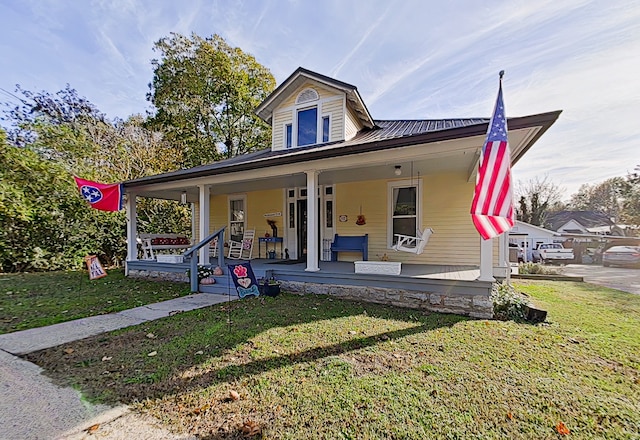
x=308, y=126
x=404, y=214
x=237, y=217
x=325, y=128
x=288, y=135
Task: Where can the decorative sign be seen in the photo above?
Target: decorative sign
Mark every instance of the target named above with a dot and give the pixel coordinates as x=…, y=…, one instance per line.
x=95, y=268
x=273, y=214
x=244, y=279
x=343, y=218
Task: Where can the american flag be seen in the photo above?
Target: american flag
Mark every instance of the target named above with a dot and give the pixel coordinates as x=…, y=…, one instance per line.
x=492, y=208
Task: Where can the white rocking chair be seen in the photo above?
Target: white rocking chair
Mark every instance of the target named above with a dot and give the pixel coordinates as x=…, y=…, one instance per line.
x=213, y=247
x=415, y=245
x=242, y=249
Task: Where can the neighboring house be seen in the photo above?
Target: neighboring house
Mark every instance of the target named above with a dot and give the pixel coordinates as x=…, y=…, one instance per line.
x=529, y=236
x=583, y=222
x=395, y=176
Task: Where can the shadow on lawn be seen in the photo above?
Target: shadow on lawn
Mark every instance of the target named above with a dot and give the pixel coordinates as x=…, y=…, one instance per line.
x=132, y=376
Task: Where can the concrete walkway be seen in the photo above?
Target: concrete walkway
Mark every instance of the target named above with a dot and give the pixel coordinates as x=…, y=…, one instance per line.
x=32, y=407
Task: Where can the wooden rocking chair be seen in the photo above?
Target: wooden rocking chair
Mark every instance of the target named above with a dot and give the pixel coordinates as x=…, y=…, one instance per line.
x=415, y=245
x=242, y=249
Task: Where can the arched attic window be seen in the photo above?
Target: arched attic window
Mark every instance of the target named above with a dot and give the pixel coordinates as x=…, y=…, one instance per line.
x=307, y=95
x=309, y=125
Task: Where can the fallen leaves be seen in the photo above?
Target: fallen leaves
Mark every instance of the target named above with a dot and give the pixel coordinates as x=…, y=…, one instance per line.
x=562, y=429
x=93, y=428
x=509, y=416
x=234, y=395
x=250, y=428
x=151, y=336
x=69, y=350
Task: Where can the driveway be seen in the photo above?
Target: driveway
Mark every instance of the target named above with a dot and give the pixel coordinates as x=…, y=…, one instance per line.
x=625, y=279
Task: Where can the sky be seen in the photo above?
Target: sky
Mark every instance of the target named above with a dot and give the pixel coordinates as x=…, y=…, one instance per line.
x=409, y=59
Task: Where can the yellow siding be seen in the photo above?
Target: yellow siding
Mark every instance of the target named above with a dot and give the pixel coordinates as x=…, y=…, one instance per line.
x=334, y=109
x=279, y=121
x=352, y=125
x=258, y=203
x=196, y=221
x=371, y=196
x=323, y=93
x=218, y=212
x=446, y=200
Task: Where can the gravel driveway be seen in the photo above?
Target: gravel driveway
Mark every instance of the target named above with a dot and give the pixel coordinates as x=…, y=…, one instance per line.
x=625, y=279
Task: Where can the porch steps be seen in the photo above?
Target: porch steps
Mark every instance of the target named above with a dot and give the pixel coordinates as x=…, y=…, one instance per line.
x=224, y=284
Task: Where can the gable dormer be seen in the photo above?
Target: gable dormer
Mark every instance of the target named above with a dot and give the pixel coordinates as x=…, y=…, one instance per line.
x=312, y=109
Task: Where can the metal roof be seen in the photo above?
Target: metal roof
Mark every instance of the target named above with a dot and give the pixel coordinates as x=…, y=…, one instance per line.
x=386, y=135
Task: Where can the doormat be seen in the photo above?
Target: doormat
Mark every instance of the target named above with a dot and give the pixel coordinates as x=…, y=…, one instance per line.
x=287, y=262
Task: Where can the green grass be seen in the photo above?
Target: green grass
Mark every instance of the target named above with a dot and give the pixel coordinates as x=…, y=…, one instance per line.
x=30, y=300
x=316, y=367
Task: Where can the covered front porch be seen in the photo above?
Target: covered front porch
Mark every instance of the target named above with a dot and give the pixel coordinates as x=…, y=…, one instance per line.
x=441, y=288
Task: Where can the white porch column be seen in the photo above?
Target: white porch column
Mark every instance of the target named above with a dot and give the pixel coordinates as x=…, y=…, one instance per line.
x=194, y=225
x=312, y=221
x=503, y=269
x=203, y=253
x=486, y=260
x=132, y=230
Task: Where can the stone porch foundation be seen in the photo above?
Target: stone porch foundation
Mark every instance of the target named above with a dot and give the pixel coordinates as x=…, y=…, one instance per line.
x=475, y=306
x=155, y=275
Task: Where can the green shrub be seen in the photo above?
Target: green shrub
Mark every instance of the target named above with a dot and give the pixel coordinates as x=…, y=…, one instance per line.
x=537, y=269
x=508, y=304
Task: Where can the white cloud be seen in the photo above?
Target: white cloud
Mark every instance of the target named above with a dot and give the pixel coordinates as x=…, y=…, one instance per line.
x=409, y=59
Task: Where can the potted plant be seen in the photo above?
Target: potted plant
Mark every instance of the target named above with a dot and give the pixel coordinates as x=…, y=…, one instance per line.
x=269, y=287
x=205, y=275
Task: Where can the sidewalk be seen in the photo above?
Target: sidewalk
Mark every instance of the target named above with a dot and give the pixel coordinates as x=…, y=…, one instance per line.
x=32, y=407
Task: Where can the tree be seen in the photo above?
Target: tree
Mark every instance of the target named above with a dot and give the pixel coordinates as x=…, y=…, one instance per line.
x=46, y=224
x=536, y=198
x=631, y=199
x=205, y=93
x=603, y=197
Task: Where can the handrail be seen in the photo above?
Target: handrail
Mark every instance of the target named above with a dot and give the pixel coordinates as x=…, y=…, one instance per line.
x=193, y=269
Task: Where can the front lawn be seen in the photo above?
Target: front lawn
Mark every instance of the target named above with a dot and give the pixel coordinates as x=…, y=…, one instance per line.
x=30, y=300
x=314, y=367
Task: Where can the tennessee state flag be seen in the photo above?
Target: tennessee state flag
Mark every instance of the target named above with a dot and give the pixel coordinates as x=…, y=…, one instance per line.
x=101, y=196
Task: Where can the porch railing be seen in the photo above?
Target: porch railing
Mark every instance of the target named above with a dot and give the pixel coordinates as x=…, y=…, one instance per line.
x=193, y=253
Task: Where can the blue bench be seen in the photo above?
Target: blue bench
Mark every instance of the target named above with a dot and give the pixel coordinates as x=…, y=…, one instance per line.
x=350, y=243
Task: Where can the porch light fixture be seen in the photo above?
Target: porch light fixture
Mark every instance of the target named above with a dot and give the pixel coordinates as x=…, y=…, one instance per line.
x=183, y=198
x=398, y=170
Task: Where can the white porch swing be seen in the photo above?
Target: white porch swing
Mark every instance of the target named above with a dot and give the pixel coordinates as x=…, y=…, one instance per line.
x=407, y=243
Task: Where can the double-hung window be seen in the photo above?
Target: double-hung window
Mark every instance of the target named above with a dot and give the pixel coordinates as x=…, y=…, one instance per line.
x=404, y=209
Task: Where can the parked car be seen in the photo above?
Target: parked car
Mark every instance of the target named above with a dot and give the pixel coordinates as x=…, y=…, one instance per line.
x=621, y=256
x=552, y=253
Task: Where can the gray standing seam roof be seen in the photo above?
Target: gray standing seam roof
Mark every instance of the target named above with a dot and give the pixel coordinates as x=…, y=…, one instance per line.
x=386, y=134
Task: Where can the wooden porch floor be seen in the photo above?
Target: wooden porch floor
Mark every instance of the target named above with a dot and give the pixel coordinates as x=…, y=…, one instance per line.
x=262, y=266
